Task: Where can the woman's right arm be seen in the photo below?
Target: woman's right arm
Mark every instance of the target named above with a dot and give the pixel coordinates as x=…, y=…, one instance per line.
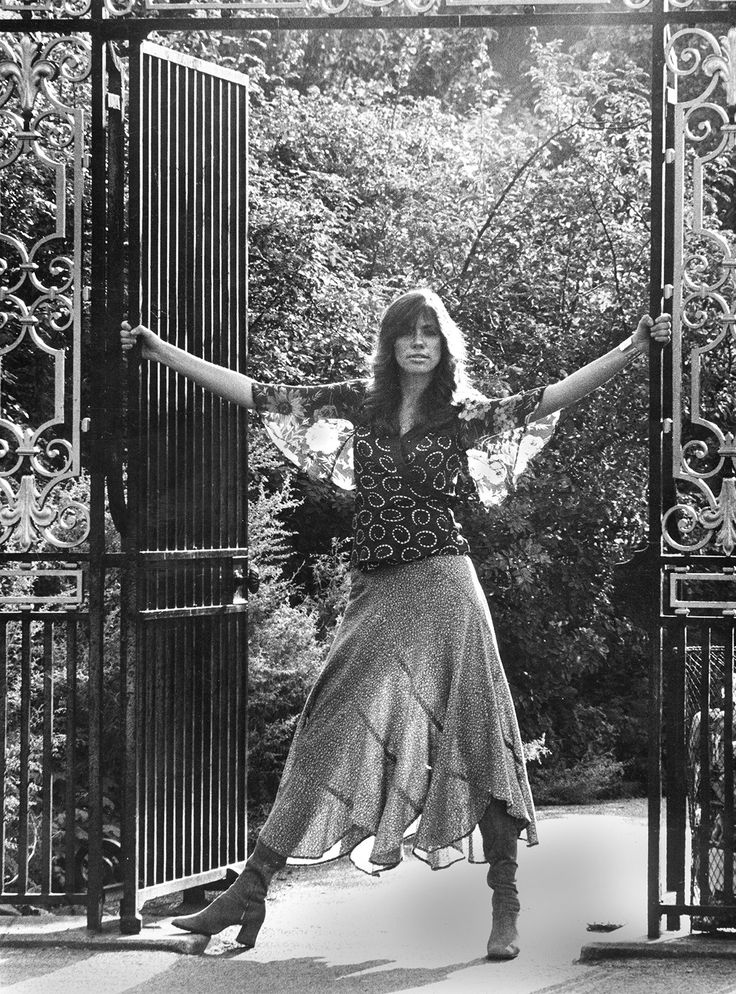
x=225, y=383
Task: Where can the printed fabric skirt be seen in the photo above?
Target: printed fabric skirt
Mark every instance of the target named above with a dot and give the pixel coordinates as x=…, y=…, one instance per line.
x=409, y=730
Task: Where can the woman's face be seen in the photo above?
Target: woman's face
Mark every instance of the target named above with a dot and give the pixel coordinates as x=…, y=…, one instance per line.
x=420, y=350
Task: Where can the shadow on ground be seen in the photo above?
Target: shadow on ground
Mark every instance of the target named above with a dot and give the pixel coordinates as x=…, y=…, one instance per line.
x=300, y=975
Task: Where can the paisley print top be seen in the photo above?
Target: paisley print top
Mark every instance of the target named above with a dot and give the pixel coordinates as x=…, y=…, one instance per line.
x=405, y=485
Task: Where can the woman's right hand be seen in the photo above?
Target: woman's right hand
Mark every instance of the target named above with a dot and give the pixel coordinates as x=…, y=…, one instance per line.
x=150, y=343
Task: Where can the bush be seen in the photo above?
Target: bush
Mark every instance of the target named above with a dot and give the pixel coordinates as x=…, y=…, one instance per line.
x=287, y=635
x=588, y=780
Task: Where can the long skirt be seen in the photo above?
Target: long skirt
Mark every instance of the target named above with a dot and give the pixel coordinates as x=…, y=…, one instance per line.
x=409, y=729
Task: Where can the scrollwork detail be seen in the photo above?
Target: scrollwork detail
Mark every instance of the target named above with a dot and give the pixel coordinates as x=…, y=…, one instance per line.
x=31, y=515
x=703, y=122
x=684, y=58
x=686, y=519
x=120, y=9
x=696, y=450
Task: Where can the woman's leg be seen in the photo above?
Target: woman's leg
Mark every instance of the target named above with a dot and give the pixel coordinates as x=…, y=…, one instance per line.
x=243, y=903
x=500, y=837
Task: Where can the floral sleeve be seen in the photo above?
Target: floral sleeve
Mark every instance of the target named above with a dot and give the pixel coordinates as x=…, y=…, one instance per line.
x=501, y=439
x=313, y=426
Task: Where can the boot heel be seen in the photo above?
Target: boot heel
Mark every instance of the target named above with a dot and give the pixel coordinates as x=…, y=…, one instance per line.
x=251, y=924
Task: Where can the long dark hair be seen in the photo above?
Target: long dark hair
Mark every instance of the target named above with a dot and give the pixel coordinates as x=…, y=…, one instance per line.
x=449, y=384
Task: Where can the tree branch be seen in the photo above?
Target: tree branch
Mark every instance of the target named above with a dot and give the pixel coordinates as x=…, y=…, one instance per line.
x=612, y=250
x=473, y=251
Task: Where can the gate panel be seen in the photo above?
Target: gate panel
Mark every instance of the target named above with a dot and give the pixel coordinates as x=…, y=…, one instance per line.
x=49, y=748
x=698, y=524
x=187, y=491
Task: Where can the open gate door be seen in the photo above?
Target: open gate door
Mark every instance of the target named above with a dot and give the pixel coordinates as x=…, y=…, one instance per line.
x=184, y=646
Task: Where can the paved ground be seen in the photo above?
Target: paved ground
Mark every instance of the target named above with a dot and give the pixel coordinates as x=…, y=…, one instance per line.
x=333, y=929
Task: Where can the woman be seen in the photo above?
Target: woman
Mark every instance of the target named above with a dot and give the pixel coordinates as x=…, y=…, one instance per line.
x=410, y=723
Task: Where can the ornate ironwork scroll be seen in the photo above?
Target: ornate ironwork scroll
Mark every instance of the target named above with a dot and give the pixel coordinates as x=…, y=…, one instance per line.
x=702, y=78
x=42, y=504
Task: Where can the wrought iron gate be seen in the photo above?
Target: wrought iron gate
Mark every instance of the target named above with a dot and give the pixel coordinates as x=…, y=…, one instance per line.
x=50, y=749
x=695, y=670
x=181, y=712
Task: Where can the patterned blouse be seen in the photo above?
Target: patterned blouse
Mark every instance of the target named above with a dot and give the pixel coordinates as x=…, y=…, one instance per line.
x=405, y=485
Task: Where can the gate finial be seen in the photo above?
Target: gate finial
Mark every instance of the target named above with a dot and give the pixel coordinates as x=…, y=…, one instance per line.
x=25, y=68
x=724, y=66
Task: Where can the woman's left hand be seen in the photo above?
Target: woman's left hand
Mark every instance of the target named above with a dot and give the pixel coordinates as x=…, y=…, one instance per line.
x=651, y=329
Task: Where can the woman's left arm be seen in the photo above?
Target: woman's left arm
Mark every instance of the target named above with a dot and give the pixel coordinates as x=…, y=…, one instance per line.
x=596, y=373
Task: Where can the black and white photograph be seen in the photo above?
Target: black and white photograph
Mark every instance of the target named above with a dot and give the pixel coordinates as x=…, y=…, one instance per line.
x=367, y=496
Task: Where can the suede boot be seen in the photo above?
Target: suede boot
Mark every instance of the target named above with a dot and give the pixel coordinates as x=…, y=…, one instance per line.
x=243, y=903
x=500, y=837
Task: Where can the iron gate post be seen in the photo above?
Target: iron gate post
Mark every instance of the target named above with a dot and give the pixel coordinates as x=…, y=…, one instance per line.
x=655, y=475
x=130, y=917
x=95, y=354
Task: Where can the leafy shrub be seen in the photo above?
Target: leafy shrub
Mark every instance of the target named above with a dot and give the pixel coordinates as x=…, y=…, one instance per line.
x=588, y=780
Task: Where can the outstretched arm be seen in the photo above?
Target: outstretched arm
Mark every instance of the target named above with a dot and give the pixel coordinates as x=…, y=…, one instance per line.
x=596, y=373
x=225, y=383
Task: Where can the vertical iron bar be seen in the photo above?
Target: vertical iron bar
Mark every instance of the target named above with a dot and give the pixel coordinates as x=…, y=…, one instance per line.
x=158, y=662
x=210, y=329
x=158, y=496
x=95, y=892
x=130, y=635
x=230, y=757
x=172, y=730
x=115, y=425
x=153, y=703
x=204, y=629
x=186, y=310
x=728, y=764
x=177, y=747
x=655, y=479
x=47, y=786
x=190, y=781
x=706, y=896
x=167, y=275
x=200, y=703
x=168, y=839
x=223, y=735
x=178, y=539
x=217, y=277
x=3, y=739
x=242, y=433
x=222, y=435
x=70, y=806
x=25, y=735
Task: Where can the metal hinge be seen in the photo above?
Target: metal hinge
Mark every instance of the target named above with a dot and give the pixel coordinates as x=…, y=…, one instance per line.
x=113, y=101
x=667, y=425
